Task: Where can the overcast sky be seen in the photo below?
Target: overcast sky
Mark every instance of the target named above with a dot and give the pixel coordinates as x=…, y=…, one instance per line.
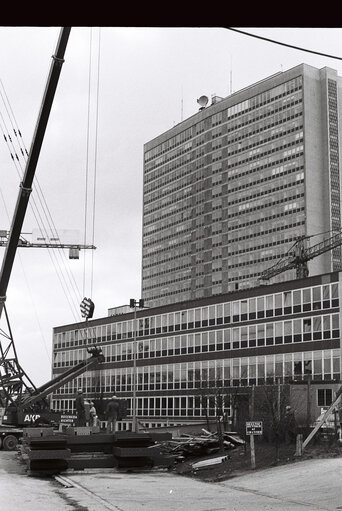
x=149, y=80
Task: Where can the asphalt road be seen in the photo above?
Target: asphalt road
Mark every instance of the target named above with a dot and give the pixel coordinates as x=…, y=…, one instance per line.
x=312, y=485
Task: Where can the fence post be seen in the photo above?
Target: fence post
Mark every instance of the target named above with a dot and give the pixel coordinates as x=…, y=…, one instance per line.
x=299, y=445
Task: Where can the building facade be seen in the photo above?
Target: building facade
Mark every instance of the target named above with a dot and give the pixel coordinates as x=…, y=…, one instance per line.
x=189, y=352
x=228, y=191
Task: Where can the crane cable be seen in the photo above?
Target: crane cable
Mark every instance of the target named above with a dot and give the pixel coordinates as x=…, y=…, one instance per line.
x=93, y=205
x=15, y=159
x=87, y=162
x=33, y=205
x=95, y=160
x=29, y=289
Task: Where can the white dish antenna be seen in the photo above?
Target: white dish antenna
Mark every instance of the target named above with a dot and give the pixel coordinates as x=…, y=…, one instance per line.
x=203, y=101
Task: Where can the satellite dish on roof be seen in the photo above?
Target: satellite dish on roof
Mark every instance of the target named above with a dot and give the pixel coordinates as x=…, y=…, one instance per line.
x=202, y=101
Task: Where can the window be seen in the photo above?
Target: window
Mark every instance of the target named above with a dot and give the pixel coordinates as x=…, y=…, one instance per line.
x=324, y=397
x=306, y=299
x=297, y=301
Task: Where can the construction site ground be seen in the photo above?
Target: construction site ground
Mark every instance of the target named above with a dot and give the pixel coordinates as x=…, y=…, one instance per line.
x=310, y=482
x=266, y=456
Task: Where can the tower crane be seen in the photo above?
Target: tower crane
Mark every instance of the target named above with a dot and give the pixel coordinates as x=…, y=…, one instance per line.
x=299, y=255
x=74, y=248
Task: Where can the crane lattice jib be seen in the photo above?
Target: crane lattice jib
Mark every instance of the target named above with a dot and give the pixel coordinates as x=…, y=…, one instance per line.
x=279, y=268
x=306, y=254
x=324, y=246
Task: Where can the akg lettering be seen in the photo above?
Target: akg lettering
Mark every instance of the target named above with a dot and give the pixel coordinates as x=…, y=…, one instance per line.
x=30, y=417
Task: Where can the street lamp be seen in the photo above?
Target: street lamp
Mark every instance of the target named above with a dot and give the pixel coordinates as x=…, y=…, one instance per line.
x=133, y=305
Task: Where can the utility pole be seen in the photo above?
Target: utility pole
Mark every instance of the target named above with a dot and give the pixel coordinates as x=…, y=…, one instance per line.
x=308, y=403
x=133, y=305
x=278, y=401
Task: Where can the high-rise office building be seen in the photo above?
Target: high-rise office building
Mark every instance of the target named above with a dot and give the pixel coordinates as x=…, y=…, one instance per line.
x=228, y=191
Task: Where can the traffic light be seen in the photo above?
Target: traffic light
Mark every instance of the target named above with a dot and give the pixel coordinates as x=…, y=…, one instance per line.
x=87, y=308
x=133, y=303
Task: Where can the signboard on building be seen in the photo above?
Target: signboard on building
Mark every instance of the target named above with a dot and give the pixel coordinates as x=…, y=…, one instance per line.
x=68, y=419
x=254, y=428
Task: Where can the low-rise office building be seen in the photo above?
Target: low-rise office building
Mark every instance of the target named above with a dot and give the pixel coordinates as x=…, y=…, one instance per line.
x=189, y=352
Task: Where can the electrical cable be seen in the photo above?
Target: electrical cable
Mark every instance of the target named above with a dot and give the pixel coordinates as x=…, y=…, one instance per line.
x=33, y=205
x=87, y=158
x=95, y=157
x=284, y=44
x=28, y=286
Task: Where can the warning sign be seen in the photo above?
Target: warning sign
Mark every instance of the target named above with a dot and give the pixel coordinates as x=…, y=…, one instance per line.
x=254, y=428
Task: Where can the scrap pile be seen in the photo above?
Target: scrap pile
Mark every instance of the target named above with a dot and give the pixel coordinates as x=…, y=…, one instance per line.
x=204, y=444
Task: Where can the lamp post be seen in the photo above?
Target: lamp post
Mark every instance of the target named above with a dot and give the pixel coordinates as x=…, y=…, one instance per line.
x=133, y=305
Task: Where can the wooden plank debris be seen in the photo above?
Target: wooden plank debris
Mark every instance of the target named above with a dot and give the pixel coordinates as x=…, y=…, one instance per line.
x=202, y=444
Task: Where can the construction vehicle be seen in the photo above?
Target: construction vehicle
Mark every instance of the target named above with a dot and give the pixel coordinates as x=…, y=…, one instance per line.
x=20, y=401
x=299, y=255
x=30, y=408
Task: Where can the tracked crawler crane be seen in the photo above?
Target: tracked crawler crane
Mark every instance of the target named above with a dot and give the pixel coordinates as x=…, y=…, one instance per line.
x=18, y=394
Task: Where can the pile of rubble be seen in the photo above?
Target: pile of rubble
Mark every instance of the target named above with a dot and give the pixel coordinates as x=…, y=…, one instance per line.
x=204, y=444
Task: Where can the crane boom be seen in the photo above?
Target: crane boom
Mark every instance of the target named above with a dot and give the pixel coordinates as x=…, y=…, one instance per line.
x=83, y=366
x=299, y=256
x=26, y=184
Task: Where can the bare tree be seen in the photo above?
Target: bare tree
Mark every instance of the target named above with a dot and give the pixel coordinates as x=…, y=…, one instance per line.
x=272, y=406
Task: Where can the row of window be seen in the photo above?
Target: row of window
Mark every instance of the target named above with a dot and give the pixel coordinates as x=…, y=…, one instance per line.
x=247, y=309
x=258, y=101
x=211, y=374
x=161, y=182
x=264, y=113
x=189, y=406
x=168, y=168
x=262, y=334
x=161, y=191
x=271, y=95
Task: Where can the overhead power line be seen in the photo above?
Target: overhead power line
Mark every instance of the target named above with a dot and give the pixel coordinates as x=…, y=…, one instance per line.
x=285, y=44
x=42, y=214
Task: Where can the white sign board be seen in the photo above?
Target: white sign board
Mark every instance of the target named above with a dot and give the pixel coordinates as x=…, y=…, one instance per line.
x=254, y=428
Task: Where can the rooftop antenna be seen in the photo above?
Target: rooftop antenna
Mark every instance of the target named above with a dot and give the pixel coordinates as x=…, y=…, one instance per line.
x=182, y=105
x=231, y=77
